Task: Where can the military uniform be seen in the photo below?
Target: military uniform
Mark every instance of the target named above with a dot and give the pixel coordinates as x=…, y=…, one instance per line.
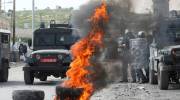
x=126, y=56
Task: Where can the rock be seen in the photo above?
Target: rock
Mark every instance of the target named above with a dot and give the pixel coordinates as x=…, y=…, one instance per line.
x=141, y=88
x=28, y=95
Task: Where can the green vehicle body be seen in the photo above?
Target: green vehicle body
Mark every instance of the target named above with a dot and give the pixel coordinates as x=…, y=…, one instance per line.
x=4, y=54
x=164, y=66
x=51, y=53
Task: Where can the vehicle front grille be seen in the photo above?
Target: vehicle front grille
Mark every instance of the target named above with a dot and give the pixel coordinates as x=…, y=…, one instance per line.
x=176, y=56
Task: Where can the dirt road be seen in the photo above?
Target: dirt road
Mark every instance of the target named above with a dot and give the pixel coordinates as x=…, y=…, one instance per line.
x=133, y=91
x=16, y=82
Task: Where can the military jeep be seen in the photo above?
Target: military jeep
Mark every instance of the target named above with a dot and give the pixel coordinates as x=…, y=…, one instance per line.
x=165, y=56
x=4, y=54
x=51, y=55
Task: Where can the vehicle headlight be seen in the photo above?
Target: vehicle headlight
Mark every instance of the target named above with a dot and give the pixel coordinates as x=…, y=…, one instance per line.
x=60, y=57
x=38, y=56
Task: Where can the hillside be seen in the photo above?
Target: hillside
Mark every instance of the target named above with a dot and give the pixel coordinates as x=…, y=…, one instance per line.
x=24, y=18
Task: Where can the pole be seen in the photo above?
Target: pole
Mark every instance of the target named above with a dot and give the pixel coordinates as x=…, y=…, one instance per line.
x=33, y=22
x=0, y=6
x=14, y=20
x=5, y=5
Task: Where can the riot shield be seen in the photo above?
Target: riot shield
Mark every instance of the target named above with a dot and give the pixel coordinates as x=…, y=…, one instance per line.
x=139, y=52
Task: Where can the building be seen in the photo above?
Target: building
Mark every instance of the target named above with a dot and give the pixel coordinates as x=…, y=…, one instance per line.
x=161, y=8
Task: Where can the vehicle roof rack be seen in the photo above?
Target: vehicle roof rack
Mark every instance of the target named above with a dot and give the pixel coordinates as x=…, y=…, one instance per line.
x=54, y=25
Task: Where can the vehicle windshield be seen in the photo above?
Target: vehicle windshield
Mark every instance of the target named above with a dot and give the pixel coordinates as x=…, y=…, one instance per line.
x=44, y=39
x=53, y=39
x=173, y=37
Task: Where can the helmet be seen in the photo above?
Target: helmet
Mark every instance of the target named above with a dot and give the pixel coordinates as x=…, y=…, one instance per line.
x=127, y=31
x=141, y=34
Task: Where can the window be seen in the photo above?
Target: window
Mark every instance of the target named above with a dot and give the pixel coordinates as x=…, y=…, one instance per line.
x=5, y=38
x=64, y=39
x=43, y=39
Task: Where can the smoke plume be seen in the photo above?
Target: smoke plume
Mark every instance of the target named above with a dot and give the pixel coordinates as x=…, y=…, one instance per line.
x=108, y=63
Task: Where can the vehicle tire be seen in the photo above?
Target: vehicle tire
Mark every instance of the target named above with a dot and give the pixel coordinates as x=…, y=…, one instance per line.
x=28, y=95
x=44, y=78
x=28, y=77
x=152, y=76
x=163, y=78
x=4, y=72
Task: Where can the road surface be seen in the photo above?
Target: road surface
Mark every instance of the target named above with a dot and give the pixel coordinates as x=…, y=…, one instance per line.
x=116, y=91
x=16, y=82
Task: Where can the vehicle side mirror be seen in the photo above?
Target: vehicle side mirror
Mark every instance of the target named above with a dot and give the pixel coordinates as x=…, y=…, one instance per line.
x=30, y=42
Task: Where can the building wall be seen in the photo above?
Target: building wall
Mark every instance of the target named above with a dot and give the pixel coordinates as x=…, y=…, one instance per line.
x=161, y=8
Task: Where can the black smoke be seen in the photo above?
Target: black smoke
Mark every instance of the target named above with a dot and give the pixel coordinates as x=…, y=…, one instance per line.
x=106, y=60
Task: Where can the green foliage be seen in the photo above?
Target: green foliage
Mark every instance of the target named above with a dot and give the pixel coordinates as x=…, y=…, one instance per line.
x=60, y=15
x=23, y=39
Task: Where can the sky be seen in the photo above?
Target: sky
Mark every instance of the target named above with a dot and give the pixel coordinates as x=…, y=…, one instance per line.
x=42, y=4
x=146, y=5
x=141, y=5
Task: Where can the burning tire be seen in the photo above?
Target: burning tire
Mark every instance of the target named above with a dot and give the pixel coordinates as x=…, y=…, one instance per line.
x=163, y=78
x=28, y=77
x=28, y=95
x=4, y=73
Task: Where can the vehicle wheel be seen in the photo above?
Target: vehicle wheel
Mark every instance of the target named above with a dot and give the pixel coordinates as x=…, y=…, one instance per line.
x=152, y=76
x=44, y=78
x=28, y=77
x=63, y=75
x=163, y=78
x=4, y=73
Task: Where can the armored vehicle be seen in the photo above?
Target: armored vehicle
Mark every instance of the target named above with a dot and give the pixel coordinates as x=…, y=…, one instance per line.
x=51, y=55
x=165, y=55
x=4, y=54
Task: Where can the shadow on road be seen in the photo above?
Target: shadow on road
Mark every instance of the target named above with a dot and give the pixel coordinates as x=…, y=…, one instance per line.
x=11, y=83
x=36, y=83
x=48, y=83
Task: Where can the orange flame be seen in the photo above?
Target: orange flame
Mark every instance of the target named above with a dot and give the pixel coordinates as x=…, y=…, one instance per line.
x=82, y=51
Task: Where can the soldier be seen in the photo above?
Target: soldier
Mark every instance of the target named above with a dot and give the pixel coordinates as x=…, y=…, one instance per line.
x=139, y=52
x=25, y=50
x=21, y=49
x=126, y=56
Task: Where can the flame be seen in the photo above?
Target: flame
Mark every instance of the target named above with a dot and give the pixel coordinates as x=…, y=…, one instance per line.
x=82, y=51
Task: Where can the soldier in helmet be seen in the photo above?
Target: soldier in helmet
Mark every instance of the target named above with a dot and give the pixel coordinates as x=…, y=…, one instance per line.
x=139, y=52
x=126, y=56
